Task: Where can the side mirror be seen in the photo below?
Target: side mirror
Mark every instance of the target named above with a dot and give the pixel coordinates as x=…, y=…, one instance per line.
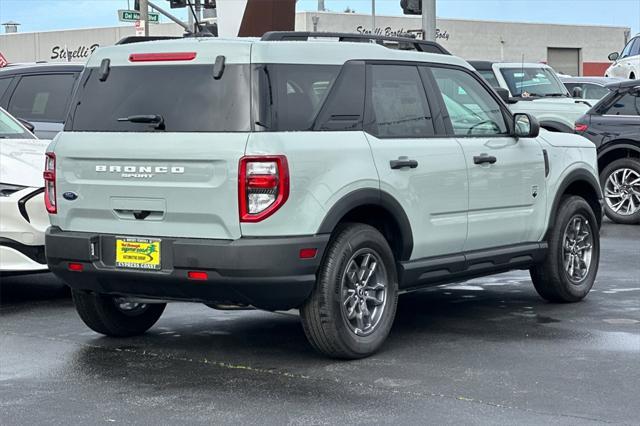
x=503, y=93
x=526, y=126
x=30, y=127
x=577, y=92
x=614, y=56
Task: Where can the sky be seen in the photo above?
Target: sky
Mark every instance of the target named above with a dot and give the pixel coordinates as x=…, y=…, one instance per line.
x=43, y=15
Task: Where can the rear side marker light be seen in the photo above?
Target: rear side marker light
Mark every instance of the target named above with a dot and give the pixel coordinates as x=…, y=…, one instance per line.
x=197, y=275
x=49, y=175
x=162, y=57
x=580, y=128
x=308, y=253
x=75, y=267
x=263, y=186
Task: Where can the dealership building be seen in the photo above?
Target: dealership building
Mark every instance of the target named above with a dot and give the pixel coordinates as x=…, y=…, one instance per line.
x=570, y=49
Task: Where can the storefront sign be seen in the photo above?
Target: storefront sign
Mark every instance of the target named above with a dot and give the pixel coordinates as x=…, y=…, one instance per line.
x=390, y=32
x=66, y=54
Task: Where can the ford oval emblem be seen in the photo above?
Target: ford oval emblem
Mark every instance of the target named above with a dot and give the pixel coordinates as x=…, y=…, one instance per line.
x=70, y=196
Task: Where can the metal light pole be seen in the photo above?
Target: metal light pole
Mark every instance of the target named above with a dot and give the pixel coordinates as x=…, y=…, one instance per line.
x=429, y=19
x=144, y=15
x=373, y=16
x=320, y=5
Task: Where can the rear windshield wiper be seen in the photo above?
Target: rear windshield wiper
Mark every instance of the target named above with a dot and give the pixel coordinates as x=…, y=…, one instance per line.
x=156, y=119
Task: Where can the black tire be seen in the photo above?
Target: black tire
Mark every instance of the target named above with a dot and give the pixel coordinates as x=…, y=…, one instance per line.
x=550, y=278
x=324, y=319
x=101, y=314
x=617, y=166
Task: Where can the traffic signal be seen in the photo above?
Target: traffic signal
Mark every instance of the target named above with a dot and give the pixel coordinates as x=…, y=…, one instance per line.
x=136, y=5
x=175, y=4
x=411, y=7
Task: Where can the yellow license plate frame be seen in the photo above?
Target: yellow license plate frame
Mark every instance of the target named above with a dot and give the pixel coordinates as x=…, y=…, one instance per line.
x=138, y=253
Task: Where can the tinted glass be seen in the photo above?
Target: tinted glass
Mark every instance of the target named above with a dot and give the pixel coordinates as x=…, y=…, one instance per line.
x=42, y=97
x=472, y=109
x=593, y=91
x=398, y=103
x=627, y=49
x=533, y=82
x=635, y=48
x=490, y=77
x=291, y=95
x=10, y=129
x=628, y=104
x=4, y=85
x=187, y=97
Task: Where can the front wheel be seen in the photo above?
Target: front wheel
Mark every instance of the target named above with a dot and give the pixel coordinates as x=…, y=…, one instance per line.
x=569, y=270
x=353, y=305
x=115, y=316
x=620, y=182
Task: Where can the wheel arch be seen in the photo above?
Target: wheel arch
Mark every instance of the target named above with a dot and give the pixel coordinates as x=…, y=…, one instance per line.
x=616, y=150
x=378, y=209
x=583, y=184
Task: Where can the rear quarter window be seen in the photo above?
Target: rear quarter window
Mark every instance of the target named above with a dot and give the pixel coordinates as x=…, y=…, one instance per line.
x=42, y=97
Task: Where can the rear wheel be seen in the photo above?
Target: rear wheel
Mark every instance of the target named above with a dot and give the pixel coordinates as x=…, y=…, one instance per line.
x=353, y=305
x=620, y=182
x=569, y=270
x=116, y=316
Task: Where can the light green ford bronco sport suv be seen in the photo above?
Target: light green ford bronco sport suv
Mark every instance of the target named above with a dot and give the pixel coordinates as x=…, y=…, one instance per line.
x=302, y=172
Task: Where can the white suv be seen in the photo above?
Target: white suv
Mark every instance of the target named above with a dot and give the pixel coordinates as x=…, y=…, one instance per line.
x=324, y=175
x=627, y=63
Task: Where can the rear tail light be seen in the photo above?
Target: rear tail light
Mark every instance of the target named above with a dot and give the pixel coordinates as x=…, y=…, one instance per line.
x=581, y=127
x=198, y=275
x=263, y=186
x=75, y=267
x=50, y=183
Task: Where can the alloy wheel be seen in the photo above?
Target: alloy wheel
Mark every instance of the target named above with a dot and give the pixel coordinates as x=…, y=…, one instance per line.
x=364, y=292
x=622, y=191
x=577, y=248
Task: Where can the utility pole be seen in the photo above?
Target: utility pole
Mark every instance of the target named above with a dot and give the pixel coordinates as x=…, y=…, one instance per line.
x=429, y=20
x=373, y=16
x=320, y=5
x=144, y=16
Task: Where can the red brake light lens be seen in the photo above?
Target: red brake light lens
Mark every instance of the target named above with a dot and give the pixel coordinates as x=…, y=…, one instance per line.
x=162, y=57
x=75, y=267
x=263, y=186
x=580, y=127
x=50, y=183
x=197, y=275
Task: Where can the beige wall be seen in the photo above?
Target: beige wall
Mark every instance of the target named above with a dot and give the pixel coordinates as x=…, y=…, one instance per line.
x=468, y=39
x=50, y=45
x=488, y=40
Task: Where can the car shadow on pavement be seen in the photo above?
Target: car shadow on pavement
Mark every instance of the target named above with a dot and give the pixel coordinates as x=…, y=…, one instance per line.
x=15, y=289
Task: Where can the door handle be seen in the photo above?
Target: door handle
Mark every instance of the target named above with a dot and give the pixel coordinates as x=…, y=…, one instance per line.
x=403, y=162
x=484, y=158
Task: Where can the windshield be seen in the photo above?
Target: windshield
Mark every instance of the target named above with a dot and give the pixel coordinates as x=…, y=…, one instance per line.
x=185, y=98
x=10, y=128
x=533, y=82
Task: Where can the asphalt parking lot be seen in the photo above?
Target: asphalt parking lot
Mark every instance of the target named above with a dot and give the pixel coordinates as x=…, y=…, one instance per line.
x=489, y=351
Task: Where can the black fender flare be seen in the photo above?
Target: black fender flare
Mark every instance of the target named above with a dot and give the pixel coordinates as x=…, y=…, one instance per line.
x=376, y=197
x=618, y=144
x=560, y=127
x=573, y=177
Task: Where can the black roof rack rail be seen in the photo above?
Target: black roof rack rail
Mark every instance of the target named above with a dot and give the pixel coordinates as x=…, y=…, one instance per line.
x=141, y=39
x=404, y=43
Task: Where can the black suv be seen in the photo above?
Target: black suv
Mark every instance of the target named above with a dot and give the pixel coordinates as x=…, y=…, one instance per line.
x=39, y=94
x=613, y=125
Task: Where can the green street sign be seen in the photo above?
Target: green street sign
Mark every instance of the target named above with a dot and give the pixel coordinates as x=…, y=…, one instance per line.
x=134, y=15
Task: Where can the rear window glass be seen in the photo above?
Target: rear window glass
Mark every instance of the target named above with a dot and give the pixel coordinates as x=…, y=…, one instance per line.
x=11, y=129
x=291, y=95
x=187, y=97
x=628, y=104
x=42, y=97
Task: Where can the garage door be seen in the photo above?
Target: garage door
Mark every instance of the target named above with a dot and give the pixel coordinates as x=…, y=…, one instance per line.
x=565, y=61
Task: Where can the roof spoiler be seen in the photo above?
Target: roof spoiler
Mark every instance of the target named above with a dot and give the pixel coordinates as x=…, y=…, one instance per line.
x=403, y=43
x=624, y=85
x=142, y=39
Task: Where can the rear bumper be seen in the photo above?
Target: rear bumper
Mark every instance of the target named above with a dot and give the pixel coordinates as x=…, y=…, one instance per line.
x=18, y=257
x=264, y=272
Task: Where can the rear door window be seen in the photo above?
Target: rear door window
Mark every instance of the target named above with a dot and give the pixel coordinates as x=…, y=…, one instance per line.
x=187, y=97
x=42, y=97
x=398, y=103
x=628, y=104
x=4, y=85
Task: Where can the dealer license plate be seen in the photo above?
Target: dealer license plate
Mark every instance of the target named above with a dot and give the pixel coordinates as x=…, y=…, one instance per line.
x=138, y=253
